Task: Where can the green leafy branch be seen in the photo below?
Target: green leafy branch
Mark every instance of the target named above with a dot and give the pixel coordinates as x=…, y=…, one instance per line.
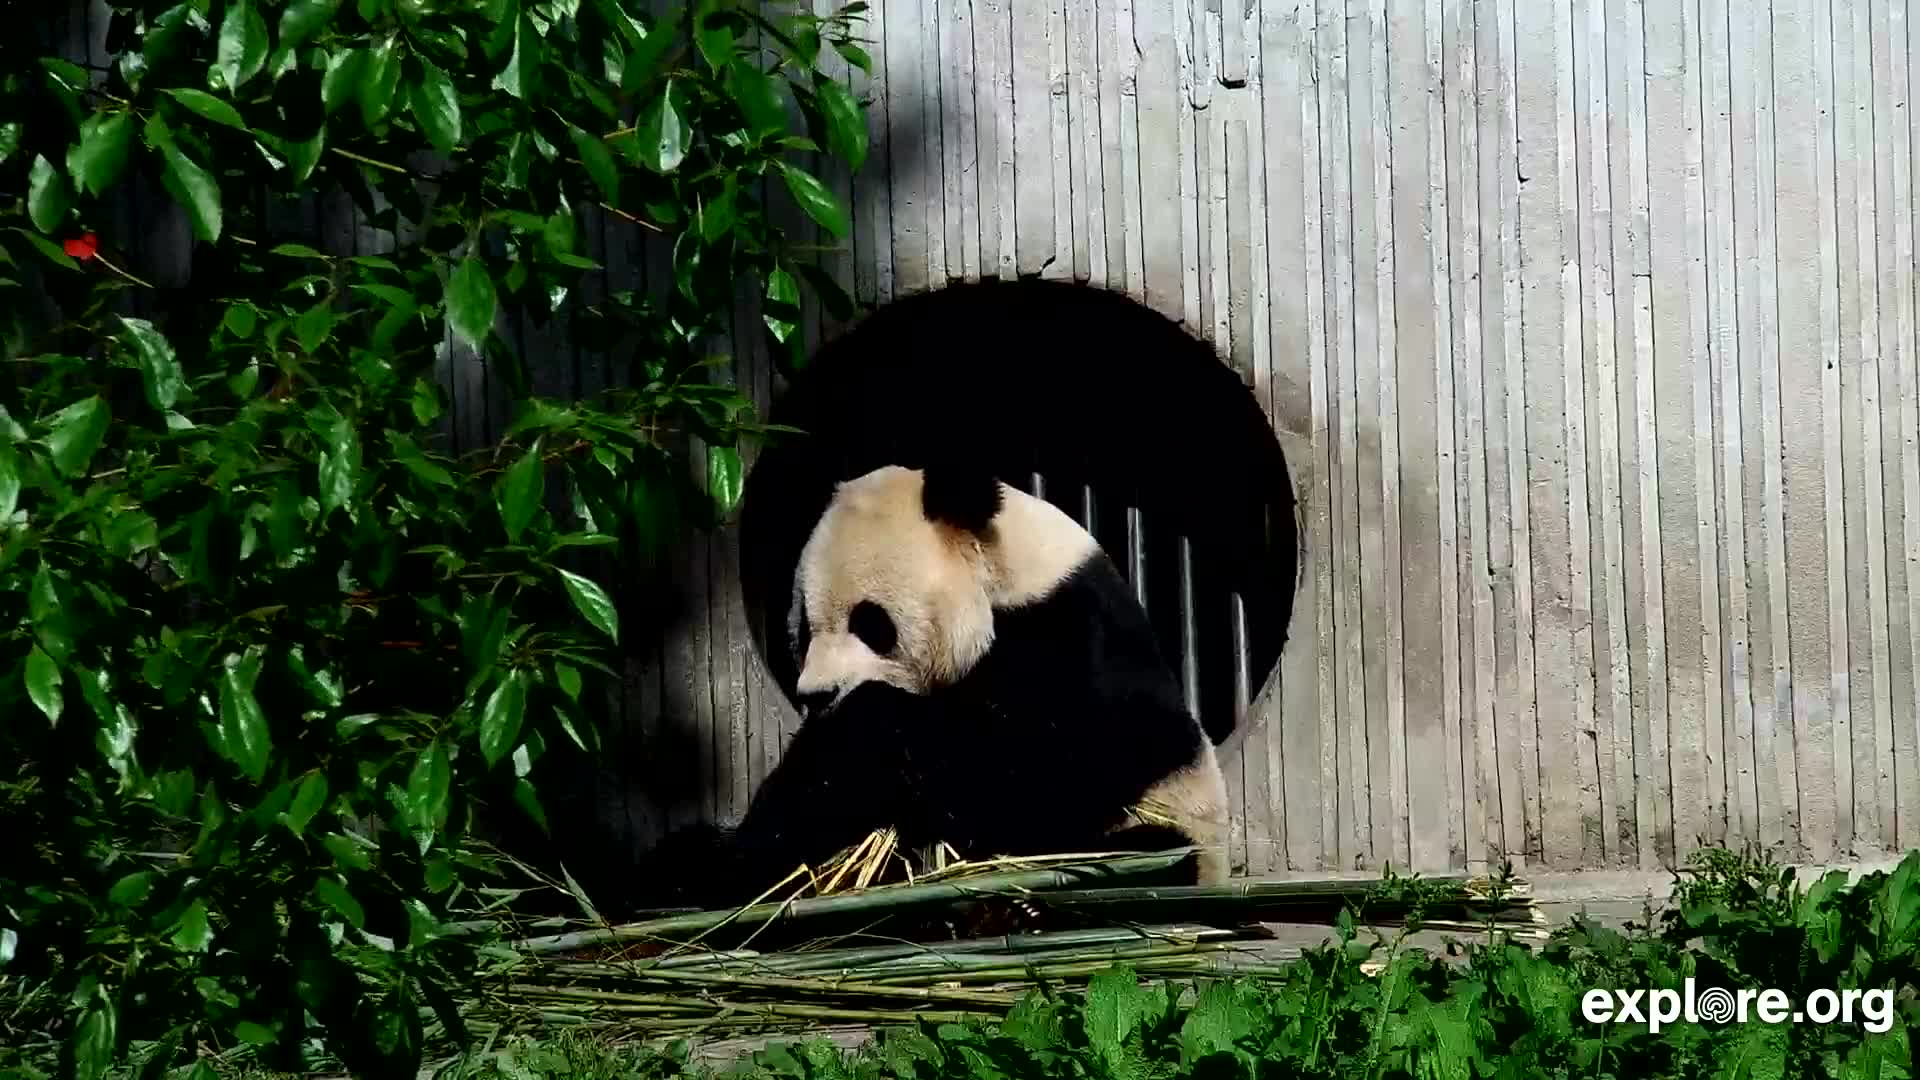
x=254, y=600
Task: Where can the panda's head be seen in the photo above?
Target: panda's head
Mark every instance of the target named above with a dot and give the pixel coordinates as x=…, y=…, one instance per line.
x=901, y=577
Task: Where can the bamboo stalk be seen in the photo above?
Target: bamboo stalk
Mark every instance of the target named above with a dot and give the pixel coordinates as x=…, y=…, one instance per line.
x=888, y=898
x=752, y=982
x=932, y=972
x=864, y=956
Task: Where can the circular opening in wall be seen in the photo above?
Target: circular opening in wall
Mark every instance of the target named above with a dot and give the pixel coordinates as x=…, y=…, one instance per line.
x=1083, y=397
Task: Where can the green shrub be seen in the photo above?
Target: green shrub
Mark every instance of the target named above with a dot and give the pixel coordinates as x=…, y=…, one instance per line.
x=249, y=598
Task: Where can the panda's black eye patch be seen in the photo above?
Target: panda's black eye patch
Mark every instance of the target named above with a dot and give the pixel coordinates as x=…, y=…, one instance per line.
x=870, y=623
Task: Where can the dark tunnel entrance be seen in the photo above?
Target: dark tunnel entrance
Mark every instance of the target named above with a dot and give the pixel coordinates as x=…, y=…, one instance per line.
x=1079, y=395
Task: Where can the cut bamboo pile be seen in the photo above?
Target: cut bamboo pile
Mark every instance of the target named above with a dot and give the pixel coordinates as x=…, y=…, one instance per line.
x=834, y=952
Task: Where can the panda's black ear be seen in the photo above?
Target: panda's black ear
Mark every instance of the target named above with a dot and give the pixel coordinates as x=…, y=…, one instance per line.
x=965, y=498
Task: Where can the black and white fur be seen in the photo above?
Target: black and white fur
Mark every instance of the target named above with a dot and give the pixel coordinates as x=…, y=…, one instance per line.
x=974, y=670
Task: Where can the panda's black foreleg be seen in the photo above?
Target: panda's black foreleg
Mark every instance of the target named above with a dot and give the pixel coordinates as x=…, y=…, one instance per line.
x=838, y=780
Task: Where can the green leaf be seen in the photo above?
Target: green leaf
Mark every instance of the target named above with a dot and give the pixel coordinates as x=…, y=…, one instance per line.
x=644, y=61
x=723, y=478
x=100, y=157
x=713, y=37
x=662, y=133
x=416, y=461
x=815, y=199
x=43, y=684
x=335, y=895
x=10, y=133
x=757, y=97
x=592, y=601
x=783, y=305
x=470, y=302
x=192, y=932
x=190, y=185
x=75, y=433
x=9, y=481
x=313, y=326
x=301, y=157
x=501, y=718
x=568, y=677
x=210, y=107
x=855, y=55
x=305, y=19
x=132, y=890
x=718, y=215
x=599, y=162
x=308, y=798
x=95, y=1042
x=846, y=127
x=159, y=368
x=242, y=51
x=429, y=789
x=382, y=75
x=520, y=492
x=521, y=76
x=346, y=72
x=47, y=198
x=249, y=1031
x=339, y=465
x=436, y=107
x=244, y=738
x=1116, y=1003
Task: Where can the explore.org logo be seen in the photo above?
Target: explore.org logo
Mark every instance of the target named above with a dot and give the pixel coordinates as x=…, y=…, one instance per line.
x=1872, y=1009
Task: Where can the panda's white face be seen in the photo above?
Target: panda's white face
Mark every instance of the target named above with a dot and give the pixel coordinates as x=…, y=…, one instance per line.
x=883, y=594
x=886, y=593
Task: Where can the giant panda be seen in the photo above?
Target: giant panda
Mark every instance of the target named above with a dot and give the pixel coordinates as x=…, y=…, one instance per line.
x=973, y=670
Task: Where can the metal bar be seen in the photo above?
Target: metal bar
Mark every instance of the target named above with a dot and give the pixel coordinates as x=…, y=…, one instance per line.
x=1189, y=631
x=1136, y=565
x=1242, y=663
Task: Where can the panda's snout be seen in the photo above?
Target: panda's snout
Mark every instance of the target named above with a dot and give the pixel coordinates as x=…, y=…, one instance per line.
x=813, y=703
